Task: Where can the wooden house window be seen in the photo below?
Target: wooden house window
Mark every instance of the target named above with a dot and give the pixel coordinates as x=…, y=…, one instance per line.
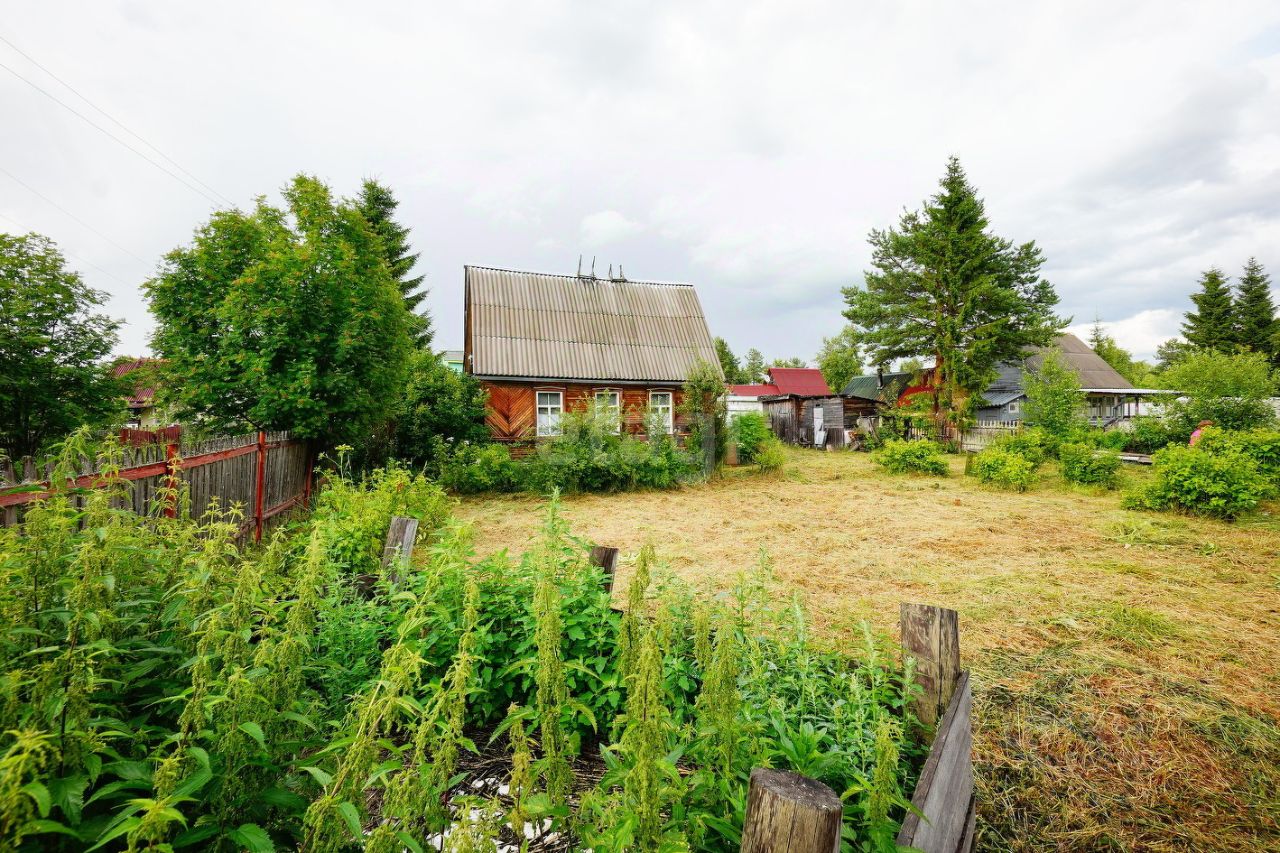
x=660, y=404
x=550, y=407
x=609, y=405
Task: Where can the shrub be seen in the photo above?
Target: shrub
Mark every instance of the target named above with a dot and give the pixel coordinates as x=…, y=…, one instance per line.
x=1260, y=445
x=1003, y=468
x=472, y=469
x=1150, y=434
x=771, y=455
x=1230, y=389
x=1108, y=439
x=1055, y=401
x=1031, y=444
x=1083, y=463
x=1224, y=484
x=750, y=431
x=911, y=457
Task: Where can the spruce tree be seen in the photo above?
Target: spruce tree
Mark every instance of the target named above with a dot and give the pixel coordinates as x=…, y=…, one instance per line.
x=1256, y=326
x=943, y=286
x=378, y=205
x=728, y=363
x=1211, y=325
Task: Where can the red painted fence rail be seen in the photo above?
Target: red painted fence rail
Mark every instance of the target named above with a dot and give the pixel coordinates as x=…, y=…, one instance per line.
x=265, y=473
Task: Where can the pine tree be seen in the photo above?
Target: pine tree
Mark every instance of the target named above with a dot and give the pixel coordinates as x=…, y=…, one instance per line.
x=1210, y=326
x=944, y=286
x=729, y=363
x=378, y=205
x=753, y=367
x=1256, y=325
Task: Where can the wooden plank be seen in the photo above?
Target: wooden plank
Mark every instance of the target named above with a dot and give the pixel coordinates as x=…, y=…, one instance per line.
x=790, y=813
x=945, y=790
x=604, y=557
x=398, y=550
x=931, y=635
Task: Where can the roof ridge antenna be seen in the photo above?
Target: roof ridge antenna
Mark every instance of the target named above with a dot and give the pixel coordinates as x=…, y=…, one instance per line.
x=593, y=267
x=621, y=276
x=579, y=266
x=610, y=272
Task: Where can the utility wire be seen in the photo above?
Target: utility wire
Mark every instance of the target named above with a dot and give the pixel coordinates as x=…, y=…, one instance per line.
x=108, y=133
x=113, y=119
x=71, y=255
x=53, y=203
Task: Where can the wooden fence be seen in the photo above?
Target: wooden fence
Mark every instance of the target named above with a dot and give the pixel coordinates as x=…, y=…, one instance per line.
x=265, y=473
x=977, y=437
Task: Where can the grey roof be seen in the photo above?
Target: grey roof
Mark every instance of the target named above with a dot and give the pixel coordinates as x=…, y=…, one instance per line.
x=536, y=325
x=868, y=387
x=1094, y=373
x=999, y=398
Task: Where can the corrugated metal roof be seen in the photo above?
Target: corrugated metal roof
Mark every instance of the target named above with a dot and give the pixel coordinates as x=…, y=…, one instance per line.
x=801, y=381
x=525, y=324
x=999, y=398
x=1094, y=373
x=868, y=387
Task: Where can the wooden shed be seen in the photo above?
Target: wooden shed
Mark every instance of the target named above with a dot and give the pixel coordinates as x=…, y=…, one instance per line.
x=812, y=421
x=545, y=344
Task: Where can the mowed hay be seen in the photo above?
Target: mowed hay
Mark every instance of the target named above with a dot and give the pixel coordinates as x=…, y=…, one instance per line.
x=1126, y=665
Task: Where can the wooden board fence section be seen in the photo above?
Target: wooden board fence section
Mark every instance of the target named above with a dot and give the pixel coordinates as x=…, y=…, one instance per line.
x=265, y=474
x=932, y=636
x=945, y=792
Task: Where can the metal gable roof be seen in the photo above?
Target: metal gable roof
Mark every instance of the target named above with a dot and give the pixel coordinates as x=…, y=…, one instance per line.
x=801, y=381
x=524, y=324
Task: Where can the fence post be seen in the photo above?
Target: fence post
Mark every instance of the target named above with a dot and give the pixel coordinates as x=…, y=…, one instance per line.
x=398, y=550
x=604, y=557
x=259, y=493
x=787, y=811
x=932, y=636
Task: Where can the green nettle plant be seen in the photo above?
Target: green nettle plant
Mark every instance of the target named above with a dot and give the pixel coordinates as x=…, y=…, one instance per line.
x=1003, y=468
x=1088, y=465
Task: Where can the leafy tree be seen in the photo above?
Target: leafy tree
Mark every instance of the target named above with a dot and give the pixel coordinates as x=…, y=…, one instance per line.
x=440, y=406
x=910, y=365
x=1230, y=389
x=1055, y=401
x=753, y=367
x=52, y=347
x=1212, y=324
x=793, y=361
x=1256, y=325
x=378, y=206
x=1139, y=373
x=284, y=319
x=944, y=286
x=839, y=359
x=729, y=363
x=702, y=401
x=1170, y=353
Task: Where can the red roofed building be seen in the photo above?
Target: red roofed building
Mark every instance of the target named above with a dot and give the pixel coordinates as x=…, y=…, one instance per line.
x=139, y=377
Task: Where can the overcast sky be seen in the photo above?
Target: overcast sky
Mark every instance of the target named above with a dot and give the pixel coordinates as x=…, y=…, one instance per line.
x=744, y=147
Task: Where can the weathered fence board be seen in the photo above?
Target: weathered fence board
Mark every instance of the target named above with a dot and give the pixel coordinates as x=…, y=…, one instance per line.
x=604, y=557
x=932, y=636
x=945, y=792
x=265, y=474
x=398, y=549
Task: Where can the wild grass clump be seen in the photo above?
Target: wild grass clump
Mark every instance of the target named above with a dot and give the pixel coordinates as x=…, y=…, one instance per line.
x=1224, y=485
x=1088, y=465
x=1003, y=468
x=911, y=457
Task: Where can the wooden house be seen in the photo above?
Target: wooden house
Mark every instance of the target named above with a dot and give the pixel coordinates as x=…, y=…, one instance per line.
x=544, y=344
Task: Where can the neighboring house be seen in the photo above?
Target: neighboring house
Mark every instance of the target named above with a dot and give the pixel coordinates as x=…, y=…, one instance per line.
x=453, y=360
x=545, y=344
x=1110, y=397
x=139, y=375
x=798, y=381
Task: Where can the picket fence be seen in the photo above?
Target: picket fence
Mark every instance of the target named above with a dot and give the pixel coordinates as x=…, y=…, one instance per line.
x=979, y=436
x=264, y=473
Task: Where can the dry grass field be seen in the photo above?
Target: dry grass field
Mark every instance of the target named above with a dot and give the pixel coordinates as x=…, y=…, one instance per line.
x=1126, y=665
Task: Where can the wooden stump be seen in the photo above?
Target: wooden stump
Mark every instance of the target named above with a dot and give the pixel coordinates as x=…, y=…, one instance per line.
x=396, y=554
x=790, y=813
x=604, y=557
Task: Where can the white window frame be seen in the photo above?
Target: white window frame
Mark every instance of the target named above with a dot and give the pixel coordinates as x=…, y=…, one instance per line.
x=669, y=408
x=548, y=408
x=616, y=405
x=1014, y=407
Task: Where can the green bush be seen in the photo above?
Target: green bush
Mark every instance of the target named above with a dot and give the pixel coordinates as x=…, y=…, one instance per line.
x=1089, y=465
x=771, y=455
x=911, y=457
x=1223, y=484
x=1108, y=439
x=1031, y=444
x=1260, y=445
x=750, y=431
x=1150, y=434
x=1003, y=468
x=470, y=469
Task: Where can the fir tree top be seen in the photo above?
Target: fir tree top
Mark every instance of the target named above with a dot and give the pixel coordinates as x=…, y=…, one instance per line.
x=1211, y=325
x=1256, y=326
x=378, y=205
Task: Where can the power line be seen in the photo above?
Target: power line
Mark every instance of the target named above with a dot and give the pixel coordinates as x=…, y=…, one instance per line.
x=68, y=213
x=111, y=135
x=114, y=120
x=71, y=255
